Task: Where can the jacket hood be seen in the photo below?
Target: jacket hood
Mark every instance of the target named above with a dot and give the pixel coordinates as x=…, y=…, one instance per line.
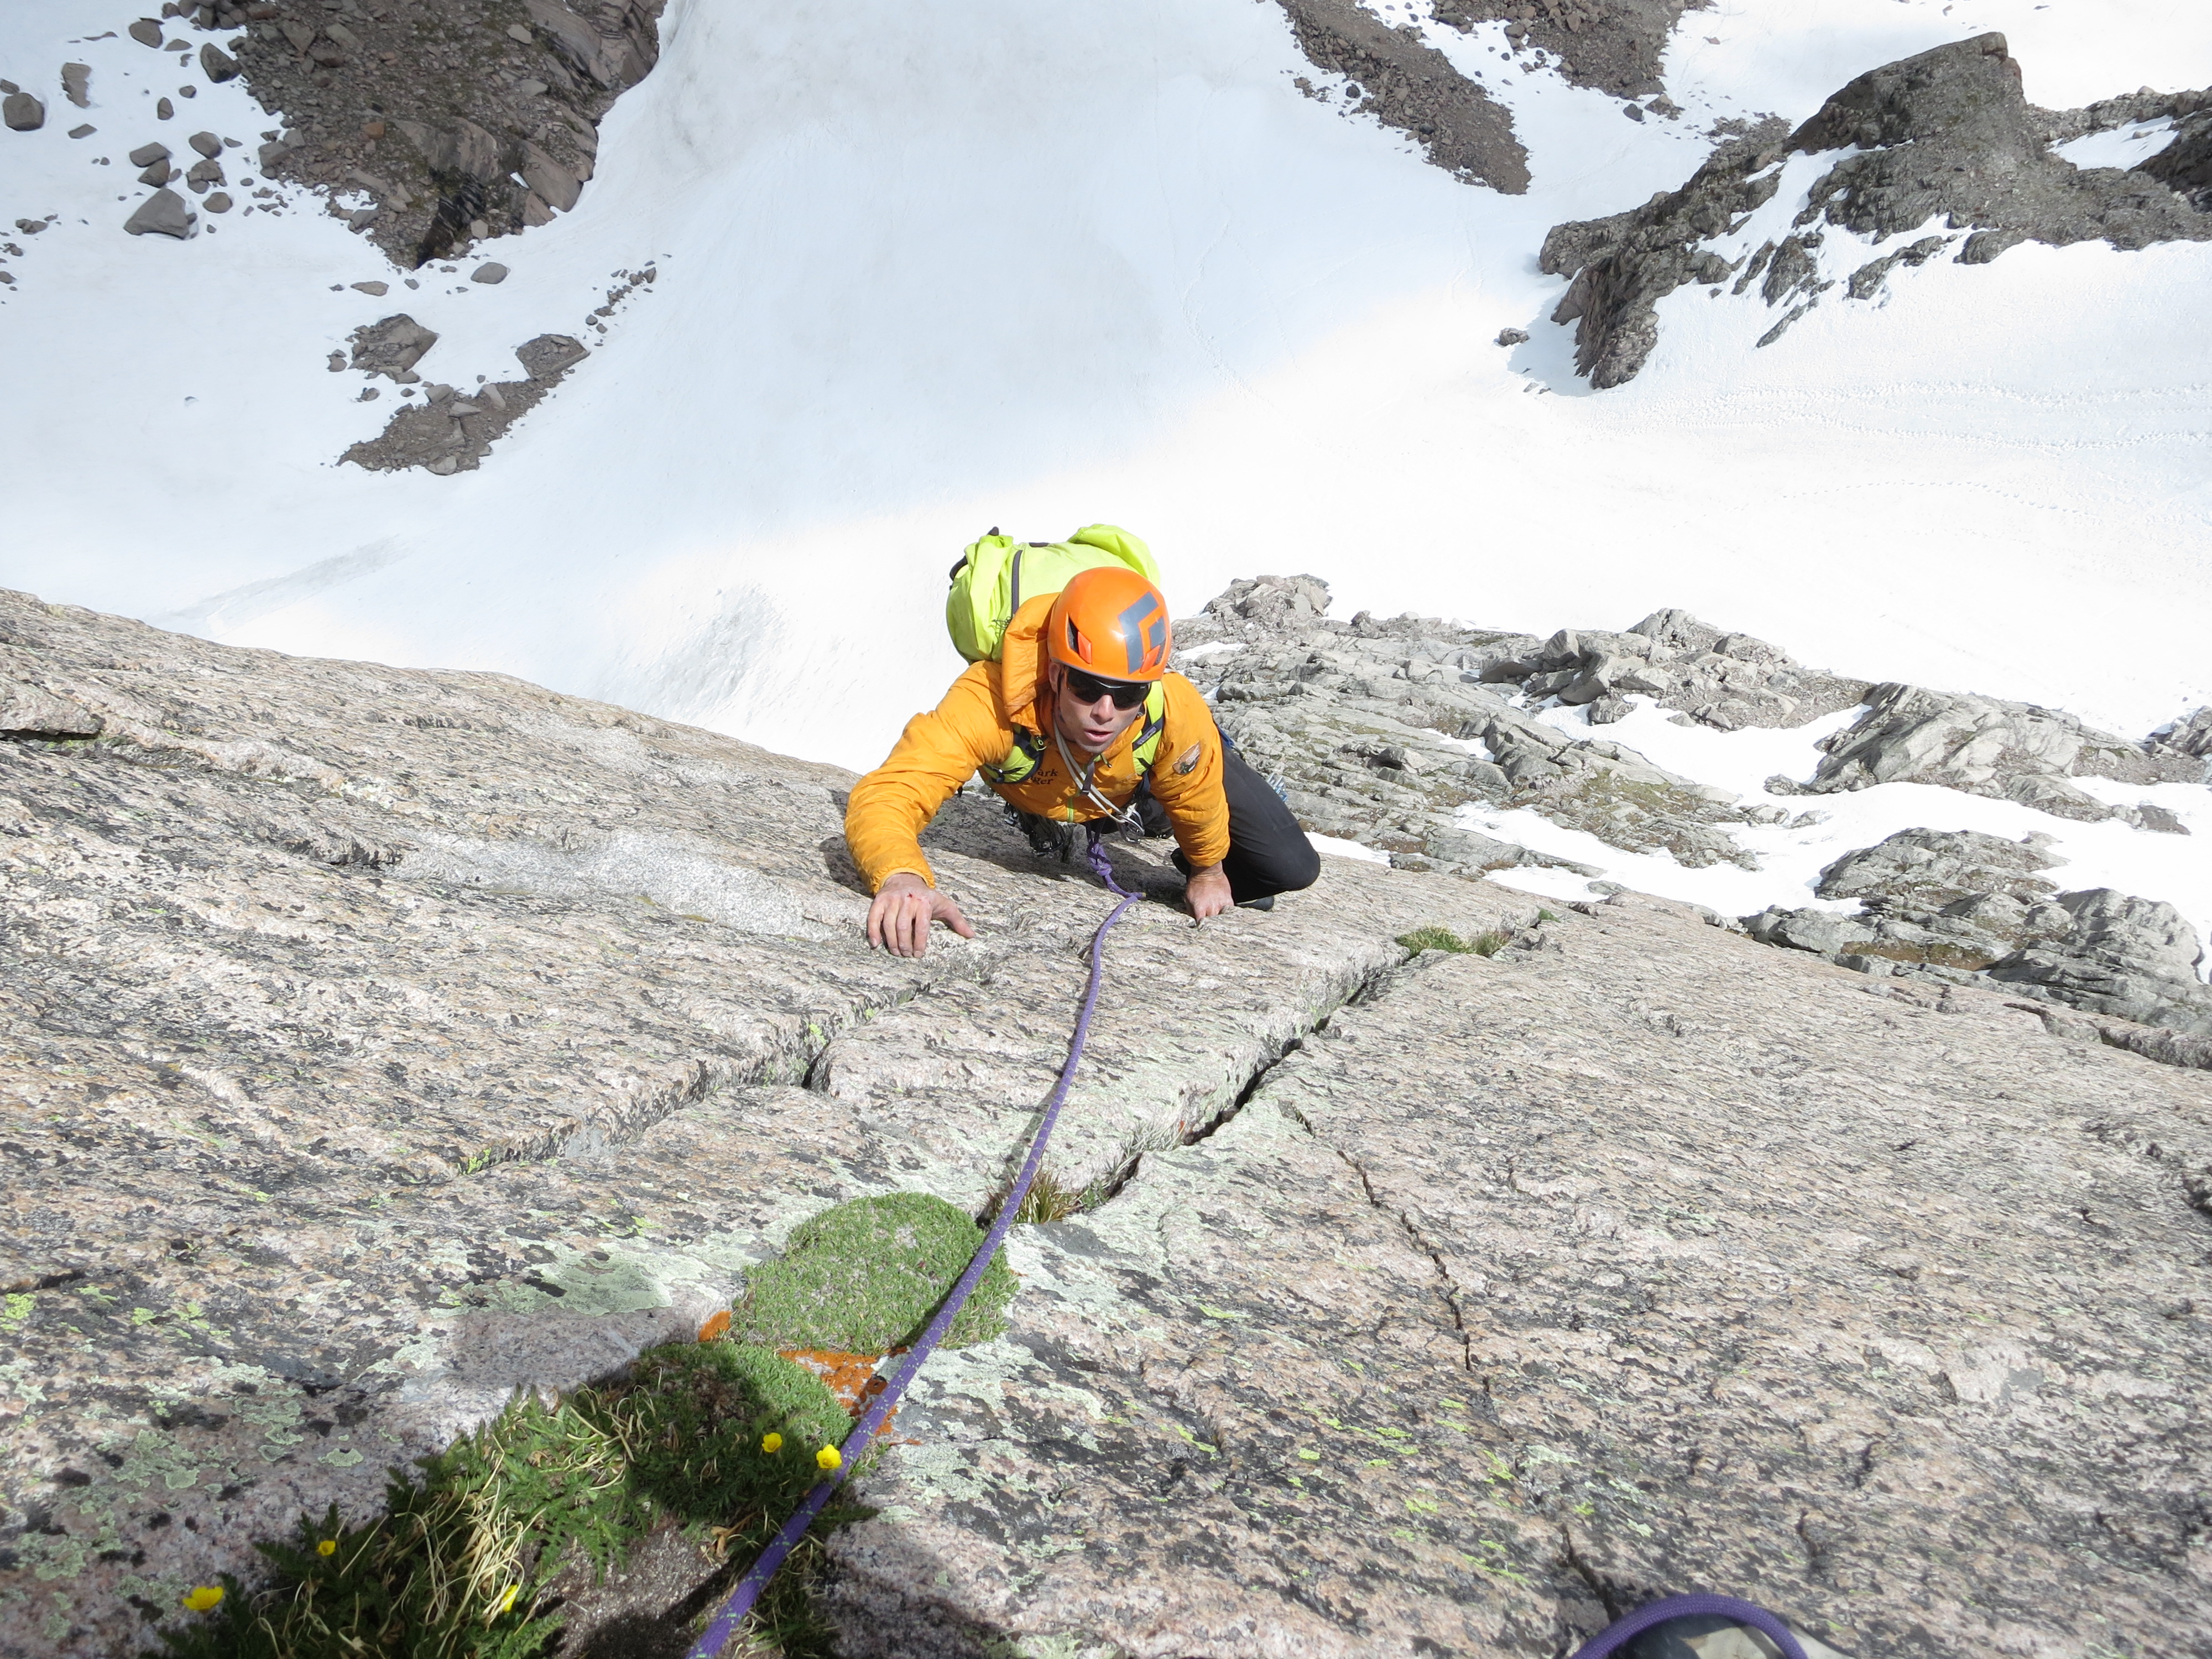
x=1021, y=661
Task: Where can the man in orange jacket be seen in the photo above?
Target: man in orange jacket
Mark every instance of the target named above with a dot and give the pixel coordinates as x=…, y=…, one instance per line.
x=1077, y=714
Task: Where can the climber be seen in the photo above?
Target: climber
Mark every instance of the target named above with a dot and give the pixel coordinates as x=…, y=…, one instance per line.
x=1066, y=725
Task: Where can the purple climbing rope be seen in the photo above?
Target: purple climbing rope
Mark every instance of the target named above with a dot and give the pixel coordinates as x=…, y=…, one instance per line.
x=1621, y=1632
x=717, y=1634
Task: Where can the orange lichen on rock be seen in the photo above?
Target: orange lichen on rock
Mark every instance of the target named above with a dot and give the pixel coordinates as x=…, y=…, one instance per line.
x=716, y=1327
x=851, y=1376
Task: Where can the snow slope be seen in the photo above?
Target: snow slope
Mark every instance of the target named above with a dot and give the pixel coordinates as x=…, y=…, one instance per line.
x=1033, y=262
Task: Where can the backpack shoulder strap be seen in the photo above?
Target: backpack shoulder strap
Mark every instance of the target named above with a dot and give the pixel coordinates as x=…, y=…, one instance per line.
x=1155, y=726
x=1021, y=760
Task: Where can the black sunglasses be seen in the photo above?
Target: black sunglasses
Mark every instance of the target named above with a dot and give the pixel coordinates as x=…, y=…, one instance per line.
x=1086, y=689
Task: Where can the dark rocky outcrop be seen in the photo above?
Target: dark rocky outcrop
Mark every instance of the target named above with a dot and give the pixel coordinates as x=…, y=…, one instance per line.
x=1944, y=141
x=1614, y=46
x=434, y=107
x=1409, y=85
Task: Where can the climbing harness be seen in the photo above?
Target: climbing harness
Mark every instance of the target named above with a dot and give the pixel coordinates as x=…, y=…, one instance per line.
x=1621, y=1632
x=749, y=1588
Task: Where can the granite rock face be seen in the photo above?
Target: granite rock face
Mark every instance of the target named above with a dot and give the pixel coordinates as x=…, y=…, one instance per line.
x=1632, y=1259
x=381, y=1042
x=1943, y=144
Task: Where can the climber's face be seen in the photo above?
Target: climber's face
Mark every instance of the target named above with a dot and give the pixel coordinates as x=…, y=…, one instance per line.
x=1089, y=712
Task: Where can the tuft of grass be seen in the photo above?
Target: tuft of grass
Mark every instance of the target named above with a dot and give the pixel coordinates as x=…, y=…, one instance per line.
x=460, y=1564
x=1543, y=914
x=1049, y=1198
x=1443, y=939
x=865, y=1276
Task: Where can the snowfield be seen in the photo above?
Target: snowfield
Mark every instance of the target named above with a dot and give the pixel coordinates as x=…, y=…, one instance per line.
x=1033, y=262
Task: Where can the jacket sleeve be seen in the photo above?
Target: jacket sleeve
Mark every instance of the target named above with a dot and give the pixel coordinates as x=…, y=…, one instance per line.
x=938, y=752
x=1187, y=775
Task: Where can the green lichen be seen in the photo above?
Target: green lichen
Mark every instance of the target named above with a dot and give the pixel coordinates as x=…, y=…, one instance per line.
x=1443, y=939
x=863, y=1277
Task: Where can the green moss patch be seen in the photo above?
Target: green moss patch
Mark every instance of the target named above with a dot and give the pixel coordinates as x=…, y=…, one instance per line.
x=459, y=1565
x=1443, y=939
x=863, y=1277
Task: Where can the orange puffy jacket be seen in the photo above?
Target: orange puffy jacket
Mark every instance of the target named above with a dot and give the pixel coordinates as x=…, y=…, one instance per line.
x=974, y=727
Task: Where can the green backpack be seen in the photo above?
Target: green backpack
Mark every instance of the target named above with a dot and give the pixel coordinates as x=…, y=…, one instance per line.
x=997, y=575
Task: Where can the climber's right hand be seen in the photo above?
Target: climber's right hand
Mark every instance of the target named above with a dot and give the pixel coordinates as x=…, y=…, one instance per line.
x=899, y=920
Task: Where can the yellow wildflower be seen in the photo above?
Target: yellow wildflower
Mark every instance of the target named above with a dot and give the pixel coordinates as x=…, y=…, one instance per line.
x=771, y=1443
x=828, y=1457
x=506, y=1601
x=328, y=1547
x=203, y=1598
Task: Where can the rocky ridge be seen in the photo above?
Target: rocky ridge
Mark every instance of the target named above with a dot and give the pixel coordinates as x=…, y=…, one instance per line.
x=380, y=1042
x=1393, y=75
x=1942, y=147
x=1381, y=732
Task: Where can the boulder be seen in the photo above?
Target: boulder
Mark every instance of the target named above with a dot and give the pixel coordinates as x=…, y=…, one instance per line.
x=147, y=32
x=550, y=356
x=2135, y=958
x=491, y=272
x=23, y=112
x=392, y=346
x=146, y=154
x=549, y=180
x=462, y=148
x=2191, y=737
x=206, y=143
x=163, y=214
x=217, y=66
x=76, y=84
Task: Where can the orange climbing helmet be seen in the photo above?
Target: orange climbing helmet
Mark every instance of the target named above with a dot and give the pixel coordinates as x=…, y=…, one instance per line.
x=1111, y=623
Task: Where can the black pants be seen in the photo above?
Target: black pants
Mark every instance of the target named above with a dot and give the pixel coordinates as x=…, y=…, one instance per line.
x=1268, y=853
